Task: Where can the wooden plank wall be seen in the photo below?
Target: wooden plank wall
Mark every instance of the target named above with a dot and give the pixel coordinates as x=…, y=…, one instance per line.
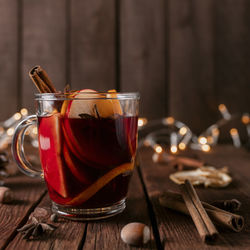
x=184, y=56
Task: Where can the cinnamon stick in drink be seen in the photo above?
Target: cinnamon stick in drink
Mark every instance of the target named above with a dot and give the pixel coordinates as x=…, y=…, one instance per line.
x=203, y=223
x=219, y=216
x=41, y=79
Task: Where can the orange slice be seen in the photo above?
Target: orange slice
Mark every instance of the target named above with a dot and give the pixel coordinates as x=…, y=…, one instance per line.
x=100, y=183
x=50, y=153
x=76, y=167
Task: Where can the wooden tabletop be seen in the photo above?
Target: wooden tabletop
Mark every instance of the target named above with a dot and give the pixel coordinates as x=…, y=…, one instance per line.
x=169, y=229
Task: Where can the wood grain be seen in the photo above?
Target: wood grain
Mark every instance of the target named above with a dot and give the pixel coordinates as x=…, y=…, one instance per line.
x=27, y=193
x=67, y=235
x=92, y=45
x=231, y=55
x=9, y=56
x=177, y=230
x=106, y=234
x=192, y=94
x=44, y=43
x=143, y=54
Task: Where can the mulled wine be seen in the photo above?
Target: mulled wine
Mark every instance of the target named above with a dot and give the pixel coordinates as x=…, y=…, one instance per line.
x=87, y=161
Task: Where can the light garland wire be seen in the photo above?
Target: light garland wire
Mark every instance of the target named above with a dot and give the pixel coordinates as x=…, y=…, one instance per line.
x=8, y=126
x=180, y=135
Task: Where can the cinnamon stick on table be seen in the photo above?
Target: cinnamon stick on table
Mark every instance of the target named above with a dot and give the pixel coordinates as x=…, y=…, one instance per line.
x=41, y=79
x=219, y=216
x=203, y=223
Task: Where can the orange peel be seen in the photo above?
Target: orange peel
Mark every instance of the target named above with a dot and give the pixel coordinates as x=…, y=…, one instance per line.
x=116, y=103
x=100, y=183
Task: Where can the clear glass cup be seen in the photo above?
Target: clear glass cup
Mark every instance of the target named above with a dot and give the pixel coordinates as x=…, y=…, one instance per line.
x=87, y=146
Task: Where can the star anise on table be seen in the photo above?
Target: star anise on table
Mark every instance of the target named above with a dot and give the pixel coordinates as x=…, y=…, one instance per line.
x=35, y=229
x=38, y=225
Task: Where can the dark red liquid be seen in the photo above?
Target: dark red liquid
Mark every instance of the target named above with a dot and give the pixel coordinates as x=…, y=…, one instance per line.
x=76, y=153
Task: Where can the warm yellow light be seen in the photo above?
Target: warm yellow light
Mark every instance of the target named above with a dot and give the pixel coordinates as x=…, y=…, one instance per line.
x=205, y=148
x=222, y=107
x=34, y=130
x=158, y=148
x=202, y=140
x=24, y=111
x=210, y=140
x=173, y=149
x=182, y=146
x=10, y=131
x=142, y=122
x=17, y=116
x=170, y=120
x=183, y=130
x=215, y=131
x=245, y=119
x=233, y=131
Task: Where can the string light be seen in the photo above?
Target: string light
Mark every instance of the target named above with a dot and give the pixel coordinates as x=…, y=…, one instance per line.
x=142, y=122
x=186, y=139
x=235, y=137
x=173, y=142
x=202, y=140
x=205, y=148
x=210, y=140
x=169, y=120
x=10, y=131
x=17, y=116
x=174, y=149
x=183, y=131
x=224, y=112
x=178, y=136
x=24, y=112
x=158, y=149
x=182, y=146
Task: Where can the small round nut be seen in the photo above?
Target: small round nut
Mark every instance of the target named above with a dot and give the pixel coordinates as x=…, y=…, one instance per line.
x=135, y=233
x=6, y=195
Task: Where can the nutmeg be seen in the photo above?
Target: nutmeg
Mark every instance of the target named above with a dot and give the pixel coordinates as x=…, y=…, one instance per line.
x=135, y=233
x=6, y=195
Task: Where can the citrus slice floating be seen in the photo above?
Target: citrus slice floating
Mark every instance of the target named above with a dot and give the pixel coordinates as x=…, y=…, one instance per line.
x=76, y=167
x=89, y=104
x=50, y=150
x=100, y=183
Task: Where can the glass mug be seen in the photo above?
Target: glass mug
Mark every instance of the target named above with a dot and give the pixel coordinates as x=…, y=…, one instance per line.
x=87, y=146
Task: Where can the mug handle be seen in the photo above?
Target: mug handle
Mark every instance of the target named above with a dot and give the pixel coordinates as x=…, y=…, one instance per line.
x=18, y=149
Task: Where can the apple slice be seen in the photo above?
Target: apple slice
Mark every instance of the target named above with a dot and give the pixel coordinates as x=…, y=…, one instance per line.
x=91, y=106
x=76, y=167
x=51, y=153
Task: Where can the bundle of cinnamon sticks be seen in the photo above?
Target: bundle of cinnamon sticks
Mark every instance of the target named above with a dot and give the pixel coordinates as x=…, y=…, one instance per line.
x=41, y=80
x=202, y=213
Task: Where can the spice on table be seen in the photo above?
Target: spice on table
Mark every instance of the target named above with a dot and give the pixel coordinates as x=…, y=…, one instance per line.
x=135, y=233
x=220, y=217
x=203, y=223
x=228, y=205
x=177, y=161
x=53, y=217
x=206, y=175
x=35, y=229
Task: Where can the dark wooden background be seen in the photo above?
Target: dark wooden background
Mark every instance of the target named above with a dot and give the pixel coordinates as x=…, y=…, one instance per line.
x=184, y=56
